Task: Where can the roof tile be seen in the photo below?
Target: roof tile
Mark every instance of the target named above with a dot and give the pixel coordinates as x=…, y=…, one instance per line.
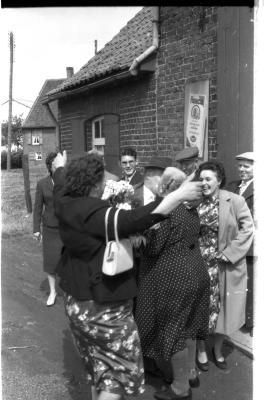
x=117, y=55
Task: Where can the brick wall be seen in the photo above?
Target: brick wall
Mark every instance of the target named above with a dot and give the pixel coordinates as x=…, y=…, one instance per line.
x=151, y=107
x=188, y=49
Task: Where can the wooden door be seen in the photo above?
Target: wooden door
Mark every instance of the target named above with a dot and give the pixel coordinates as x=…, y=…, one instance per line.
x=235, y=85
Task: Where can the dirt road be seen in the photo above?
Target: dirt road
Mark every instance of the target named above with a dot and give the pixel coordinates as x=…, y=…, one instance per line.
x=39, y=360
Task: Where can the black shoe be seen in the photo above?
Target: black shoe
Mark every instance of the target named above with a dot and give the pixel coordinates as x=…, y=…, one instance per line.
x=219, y=364
x=202, y=366
x=194, y=382
x=169, y=394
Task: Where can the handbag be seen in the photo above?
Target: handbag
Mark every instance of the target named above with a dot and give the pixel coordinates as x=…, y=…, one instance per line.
x=118, y=255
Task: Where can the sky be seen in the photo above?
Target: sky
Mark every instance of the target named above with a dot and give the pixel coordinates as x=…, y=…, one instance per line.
x=47, y=40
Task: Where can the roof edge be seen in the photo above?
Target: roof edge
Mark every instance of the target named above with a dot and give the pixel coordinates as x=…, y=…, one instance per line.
x=101, y=82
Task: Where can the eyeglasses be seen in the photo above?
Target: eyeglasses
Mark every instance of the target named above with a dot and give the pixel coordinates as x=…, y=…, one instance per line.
x=128, y=162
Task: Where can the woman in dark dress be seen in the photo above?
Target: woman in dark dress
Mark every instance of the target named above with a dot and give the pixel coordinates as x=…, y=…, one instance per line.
x=173, y=299
x=99, y=307
x=46, y=228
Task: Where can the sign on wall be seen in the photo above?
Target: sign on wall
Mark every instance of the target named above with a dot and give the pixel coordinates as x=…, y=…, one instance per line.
x=196, y=116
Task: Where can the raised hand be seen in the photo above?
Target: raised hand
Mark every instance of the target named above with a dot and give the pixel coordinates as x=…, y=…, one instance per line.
x=60, y=160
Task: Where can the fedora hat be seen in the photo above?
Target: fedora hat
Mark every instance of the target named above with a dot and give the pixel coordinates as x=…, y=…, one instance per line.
x=159, y=162
x=187, y=154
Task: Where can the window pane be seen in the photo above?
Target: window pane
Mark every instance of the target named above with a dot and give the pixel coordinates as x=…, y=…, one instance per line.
x=102, y=128
x=97, y=129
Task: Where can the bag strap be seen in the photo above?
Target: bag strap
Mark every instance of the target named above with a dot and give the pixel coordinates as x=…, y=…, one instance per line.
x=115, y=226
x=106, y=223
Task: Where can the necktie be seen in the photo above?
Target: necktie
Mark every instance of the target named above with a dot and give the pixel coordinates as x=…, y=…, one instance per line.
x=242, y=187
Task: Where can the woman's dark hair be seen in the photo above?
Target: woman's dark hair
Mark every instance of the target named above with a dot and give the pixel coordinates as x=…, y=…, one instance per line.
x=214, y=166
x=49, y=159
x=83, y=173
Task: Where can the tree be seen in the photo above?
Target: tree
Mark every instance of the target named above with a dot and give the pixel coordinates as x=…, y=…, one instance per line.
x=17, y=136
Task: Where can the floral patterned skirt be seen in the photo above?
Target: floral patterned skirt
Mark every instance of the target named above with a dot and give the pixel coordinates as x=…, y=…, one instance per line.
x=107, y=338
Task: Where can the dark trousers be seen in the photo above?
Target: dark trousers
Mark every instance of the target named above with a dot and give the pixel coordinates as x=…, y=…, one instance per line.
x=250, y=292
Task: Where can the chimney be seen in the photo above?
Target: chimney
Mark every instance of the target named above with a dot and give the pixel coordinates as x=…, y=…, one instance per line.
x=95, y=47
x=69, y=72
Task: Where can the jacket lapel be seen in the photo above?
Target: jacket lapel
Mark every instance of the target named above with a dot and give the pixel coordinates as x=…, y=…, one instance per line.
x=249, y=191
x=224, y=209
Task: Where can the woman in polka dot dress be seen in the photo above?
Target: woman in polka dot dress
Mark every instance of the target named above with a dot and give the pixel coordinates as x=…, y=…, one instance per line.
x=173, y=299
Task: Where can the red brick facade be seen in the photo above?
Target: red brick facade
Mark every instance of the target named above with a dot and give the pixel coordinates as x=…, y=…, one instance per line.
x=151, y=106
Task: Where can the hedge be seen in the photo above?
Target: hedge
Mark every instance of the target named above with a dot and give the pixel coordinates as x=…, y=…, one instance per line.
x=16, y=159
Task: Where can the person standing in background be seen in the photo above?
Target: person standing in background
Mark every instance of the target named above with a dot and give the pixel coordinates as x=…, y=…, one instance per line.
x=43, y=214
x=128, y=163
x=226, y=235
x=245, y=187
x=187, y=160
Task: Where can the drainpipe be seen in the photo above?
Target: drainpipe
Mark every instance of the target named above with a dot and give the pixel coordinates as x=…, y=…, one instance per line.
x=155, y=43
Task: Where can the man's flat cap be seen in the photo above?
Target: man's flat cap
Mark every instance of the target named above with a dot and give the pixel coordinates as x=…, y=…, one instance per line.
x=249, y=155
x=187, y=154
x=159, y=162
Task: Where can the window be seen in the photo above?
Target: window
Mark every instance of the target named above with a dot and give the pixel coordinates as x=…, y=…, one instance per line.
x=38, y=156
x=36, y=138
x=98, y=138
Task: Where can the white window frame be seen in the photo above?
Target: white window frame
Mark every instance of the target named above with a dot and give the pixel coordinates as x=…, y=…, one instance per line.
x=38, y=156
x=36, y=138
x=98, y=143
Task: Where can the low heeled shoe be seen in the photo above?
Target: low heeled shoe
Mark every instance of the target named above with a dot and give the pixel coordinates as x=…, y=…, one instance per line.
x=194, y=382
x=219, y=364
x=51, y=300
x=169, y=394
x=202, y=366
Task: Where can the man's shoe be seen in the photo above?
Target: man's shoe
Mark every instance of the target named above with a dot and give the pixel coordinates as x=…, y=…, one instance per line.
x=194, y=382
x=219, y=364
x=169, y=394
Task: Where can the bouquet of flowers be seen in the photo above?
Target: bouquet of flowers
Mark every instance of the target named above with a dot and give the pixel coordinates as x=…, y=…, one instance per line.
x=119, y=194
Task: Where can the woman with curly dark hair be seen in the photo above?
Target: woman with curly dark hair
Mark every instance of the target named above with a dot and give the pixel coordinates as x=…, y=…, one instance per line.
x=44, y=213
x=225, y=237
x=99, y=307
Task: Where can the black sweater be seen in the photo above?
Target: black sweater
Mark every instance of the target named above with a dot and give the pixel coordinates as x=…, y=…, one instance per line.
x=81, y=224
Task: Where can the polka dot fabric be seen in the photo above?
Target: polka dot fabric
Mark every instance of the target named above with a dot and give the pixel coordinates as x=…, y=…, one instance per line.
x=173, y=299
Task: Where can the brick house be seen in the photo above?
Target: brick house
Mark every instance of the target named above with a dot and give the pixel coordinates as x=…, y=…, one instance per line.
x=39, y=128
x=139, y=89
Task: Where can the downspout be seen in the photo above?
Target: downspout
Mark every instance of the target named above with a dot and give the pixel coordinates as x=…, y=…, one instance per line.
x=52, y=116
x=155, y=43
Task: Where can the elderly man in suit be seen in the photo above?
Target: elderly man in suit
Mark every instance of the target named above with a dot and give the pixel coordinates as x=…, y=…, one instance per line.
x=147, y=190
x=187, y=160
x=245, y=187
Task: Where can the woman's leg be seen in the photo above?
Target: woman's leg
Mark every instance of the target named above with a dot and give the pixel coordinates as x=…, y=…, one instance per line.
x=179, y=362
x=191, y=346
x=201, y=352
x=108, y=396
x=218, y=345
x=94, y=393
x=53, y=294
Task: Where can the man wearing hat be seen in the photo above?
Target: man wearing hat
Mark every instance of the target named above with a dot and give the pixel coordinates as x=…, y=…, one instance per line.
x=187, y=159
x=245, y=187
x=146, y=191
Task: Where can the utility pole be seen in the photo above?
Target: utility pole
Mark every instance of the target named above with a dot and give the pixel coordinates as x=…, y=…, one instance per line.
x=9, y=133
